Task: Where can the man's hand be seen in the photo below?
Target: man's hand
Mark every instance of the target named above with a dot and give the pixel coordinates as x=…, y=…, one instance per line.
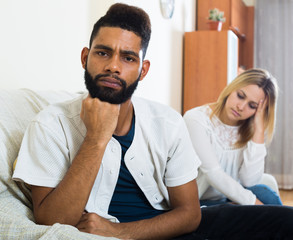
x=93, y=223
x=259, y=119
x=184, y=217
x=100, y=119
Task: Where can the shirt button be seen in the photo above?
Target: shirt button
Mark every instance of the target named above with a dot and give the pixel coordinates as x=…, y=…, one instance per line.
x=141, y=174
x=114, y=149
x=111, y=171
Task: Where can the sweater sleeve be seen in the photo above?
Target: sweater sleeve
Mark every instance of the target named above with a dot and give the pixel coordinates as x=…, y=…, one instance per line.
x=252, y=168
x=211, y=168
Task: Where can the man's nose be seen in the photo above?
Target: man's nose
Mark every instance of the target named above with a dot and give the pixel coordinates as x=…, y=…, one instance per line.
x=113, y=65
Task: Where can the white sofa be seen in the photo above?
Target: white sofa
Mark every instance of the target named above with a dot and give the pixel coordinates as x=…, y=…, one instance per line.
x=17, y=109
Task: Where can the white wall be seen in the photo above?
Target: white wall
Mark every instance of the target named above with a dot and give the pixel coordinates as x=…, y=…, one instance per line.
x=41, y=41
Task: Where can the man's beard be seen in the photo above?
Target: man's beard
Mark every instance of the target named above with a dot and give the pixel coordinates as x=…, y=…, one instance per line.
x=107, y=94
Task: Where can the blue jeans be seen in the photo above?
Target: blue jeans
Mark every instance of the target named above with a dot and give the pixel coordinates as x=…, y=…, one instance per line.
x=263, y=193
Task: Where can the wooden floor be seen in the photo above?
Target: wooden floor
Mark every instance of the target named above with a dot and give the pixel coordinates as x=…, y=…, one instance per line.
x=287, y=197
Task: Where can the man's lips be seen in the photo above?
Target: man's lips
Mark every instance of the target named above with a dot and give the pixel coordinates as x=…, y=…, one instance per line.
x=110, y=82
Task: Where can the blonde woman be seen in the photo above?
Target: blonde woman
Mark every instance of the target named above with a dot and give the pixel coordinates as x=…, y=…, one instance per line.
x=230, y=138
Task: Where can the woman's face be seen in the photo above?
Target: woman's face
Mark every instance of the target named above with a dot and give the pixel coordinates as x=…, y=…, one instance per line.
x=242, y=104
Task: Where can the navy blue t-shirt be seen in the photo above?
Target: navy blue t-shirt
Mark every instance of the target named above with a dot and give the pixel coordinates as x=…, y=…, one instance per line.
x=129, y=202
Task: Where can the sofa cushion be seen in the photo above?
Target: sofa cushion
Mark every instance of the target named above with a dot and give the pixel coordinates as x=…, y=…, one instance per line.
x=17, y=109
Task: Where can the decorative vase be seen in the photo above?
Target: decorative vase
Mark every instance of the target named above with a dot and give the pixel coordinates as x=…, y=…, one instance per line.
x=215, y=25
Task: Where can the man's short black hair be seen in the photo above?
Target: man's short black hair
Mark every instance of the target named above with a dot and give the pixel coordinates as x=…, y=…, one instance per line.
x=129, y=18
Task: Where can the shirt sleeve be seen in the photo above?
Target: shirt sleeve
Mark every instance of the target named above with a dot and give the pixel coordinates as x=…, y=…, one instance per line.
x=252, y=168
x=183, y=162
x=43, y=157
x=213, y=173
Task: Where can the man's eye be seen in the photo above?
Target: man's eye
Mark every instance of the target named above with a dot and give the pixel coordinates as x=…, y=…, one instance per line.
x=101, y=53
x=129, y=59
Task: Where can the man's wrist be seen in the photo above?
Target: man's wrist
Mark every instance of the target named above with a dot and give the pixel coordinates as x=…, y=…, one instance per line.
x=119, y=230
x=95, y=143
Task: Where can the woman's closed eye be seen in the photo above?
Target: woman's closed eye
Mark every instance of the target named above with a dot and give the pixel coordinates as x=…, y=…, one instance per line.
x=252, y=105
x=240, y=96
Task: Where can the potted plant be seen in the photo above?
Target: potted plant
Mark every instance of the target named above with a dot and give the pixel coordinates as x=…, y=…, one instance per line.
x=216, y=19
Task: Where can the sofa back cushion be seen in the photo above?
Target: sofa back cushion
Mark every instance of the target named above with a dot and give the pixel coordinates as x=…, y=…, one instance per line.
x=17, y=109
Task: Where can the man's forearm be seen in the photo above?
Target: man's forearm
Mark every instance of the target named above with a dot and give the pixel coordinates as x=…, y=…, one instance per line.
x=66, y=203
x=165, y=226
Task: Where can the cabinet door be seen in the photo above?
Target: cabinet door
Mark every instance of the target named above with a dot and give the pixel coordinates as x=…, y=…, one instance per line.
x=210, y=61
x=239, y=18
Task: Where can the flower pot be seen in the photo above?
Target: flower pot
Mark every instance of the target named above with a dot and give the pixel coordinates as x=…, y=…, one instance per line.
x=215, y=25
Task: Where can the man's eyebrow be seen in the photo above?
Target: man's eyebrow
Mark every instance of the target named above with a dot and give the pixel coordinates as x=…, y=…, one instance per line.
x=101, y=46
x=128, y=52
x=125, y=52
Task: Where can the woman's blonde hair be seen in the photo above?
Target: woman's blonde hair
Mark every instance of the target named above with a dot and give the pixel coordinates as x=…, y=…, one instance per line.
x=268, y=84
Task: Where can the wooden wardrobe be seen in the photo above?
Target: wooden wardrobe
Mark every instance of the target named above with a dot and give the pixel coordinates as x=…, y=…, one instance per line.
x=212, y=58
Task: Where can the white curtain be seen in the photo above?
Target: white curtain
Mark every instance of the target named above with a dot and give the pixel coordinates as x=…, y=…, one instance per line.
x=274, y=52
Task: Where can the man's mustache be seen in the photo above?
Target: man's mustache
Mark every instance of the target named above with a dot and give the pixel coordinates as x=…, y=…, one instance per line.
x=97, y=78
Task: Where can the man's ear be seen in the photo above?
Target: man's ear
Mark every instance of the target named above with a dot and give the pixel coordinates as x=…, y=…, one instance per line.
x=84, y=55
x=145, y=68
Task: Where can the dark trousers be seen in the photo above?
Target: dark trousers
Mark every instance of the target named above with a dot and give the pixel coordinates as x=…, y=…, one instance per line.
x=236, y=222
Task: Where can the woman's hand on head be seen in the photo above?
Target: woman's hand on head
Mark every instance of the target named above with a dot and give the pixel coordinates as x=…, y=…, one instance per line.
x=258, y=202
x=259, y=119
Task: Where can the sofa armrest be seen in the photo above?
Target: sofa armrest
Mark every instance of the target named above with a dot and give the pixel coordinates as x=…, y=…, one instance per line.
x=269, y=180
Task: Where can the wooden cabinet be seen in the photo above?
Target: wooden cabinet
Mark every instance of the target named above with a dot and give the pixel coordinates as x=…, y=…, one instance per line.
x=239, y=19
x=210, y=61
